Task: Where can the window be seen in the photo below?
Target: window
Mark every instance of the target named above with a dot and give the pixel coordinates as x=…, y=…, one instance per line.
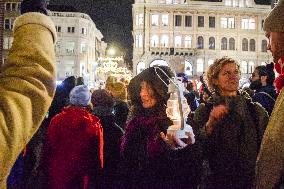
x=188, y=21
x=177, y=20
x=188, y=68
x=165, y=20
x=227, y=22
x=252, y=45
x=244, y=44
x=251, y=67
x=7, y=42
x=154, y=41
x=165, y=40
x=264, y=46
x=224, y=43
x=70, y=47
x=241, y=3
x=199, y=65
x=14, y=6
x=231, y=44
x=262, y=22
x=248, y=23
x=169, y=1
x=83, y=47
x=71, y=29
x=231, y=23
x=235, y=3
x=139, y=19
x=138, y=40
x=178, y=41
x=8, y=6
x=200, y=42
x=212, y=43
x=210, y=62
x=155, y=20
x=57, y=47
x=211, y=22
x=228, y=2
x=58, y=28
x=224, y=22
x=200, y=21
x=187, y=42
x=244, y=67
x=84, y=31
x=8, y=23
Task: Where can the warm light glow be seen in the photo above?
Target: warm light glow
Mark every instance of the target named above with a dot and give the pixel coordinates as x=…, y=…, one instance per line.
x=111, y=51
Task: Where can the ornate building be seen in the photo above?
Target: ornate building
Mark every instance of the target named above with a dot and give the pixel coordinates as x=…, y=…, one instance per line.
x=189, y=35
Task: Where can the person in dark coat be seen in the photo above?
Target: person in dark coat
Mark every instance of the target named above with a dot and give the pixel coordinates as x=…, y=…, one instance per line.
x=148, y=159
x=262, y=80
x=102, y=108
x=230, y=127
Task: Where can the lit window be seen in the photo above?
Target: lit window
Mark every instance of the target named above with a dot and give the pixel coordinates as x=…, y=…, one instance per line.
x=252, y=45
x=241, y=3
x=169, y=1
x=224, y=22
x=138, y=40
x=155, y=20
x=154, y=41
x=251, y=67
x=235, y=3
x=177, y=20
x=231, y=44
x=244, y=44
x=140, y=67
x=7, y=42
x=248, y=23
x=187, y=42
x=165, y=20
x=244, y=67
x=188, y=68
x=188, y=21
x=178, y=41
x=231, y=23
x=199, y=66
x=165, y=40
x=83, y=47
x=228, y=2
x=252, y=23
x=70, y=47
x=200, y=42
x=224, y=43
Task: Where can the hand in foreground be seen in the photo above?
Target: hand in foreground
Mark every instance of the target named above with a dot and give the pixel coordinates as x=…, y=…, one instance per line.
x=34, y=6
x=216, y=114
x=173, y=141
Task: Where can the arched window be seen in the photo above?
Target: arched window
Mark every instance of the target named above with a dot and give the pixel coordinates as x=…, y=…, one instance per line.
x=244, y=67
x=140, y=67
x=232, y=44
x=178, y=41
x=159, y=62
x=244, y=44
x=187, y=42
x=188, y=68
x=224, y=43
x=199, y=65
x=154, y=41
x=200, y=42
x=252, y=45
x=251, y=67
x=264, y=46
x=212, y=43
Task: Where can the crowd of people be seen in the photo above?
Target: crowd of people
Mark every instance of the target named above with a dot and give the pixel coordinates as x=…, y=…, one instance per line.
x=72, y=137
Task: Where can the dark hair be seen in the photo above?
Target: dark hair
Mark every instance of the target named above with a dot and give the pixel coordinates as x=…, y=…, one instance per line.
x=268, y=71
x=102, y=97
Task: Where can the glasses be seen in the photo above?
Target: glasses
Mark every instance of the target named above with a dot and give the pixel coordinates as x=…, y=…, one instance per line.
x=231, y=74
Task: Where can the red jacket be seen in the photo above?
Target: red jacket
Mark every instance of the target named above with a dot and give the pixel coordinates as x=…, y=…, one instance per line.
x=74, y=148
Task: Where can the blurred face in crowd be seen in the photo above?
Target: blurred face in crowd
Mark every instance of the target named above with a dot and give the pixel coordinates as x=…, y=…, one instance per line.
x=275, y=44
x=147, y=95
x=228, y=79
x=255, y=80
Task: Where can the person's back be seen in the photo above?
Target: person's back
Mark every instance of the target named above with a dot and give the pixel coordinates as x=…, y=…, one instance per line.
x=74, y=148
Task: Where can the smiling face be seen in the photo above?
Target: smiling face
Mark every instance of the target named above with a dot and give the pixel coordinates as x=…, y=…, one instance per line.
x=228, y=79
x=147, y=95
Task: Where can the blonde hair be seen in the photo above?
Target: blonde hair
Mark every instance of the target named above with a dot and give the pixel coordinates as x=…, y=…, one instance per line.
x=214, y=70
x=119, y=91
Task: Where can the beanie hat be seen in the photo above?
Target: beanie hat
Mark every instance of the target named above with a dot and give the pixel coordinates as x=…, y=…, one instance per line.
x=274, y=22
x=80, y=96
x=102, y=97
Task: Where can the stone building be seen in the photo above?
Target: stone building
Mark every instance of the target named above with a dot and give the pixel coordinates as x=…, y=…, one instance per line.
x=189, y=35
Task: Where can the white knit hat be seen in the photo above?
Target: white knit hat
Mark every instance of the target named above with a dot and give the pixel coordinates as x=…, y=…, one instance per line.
x=80, y=96
x=274, y=22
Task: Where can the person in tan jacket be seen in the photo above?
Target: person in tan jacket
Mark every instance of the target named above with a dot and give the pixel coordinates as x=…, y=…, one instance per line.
x=27, y=82
x=270, y=162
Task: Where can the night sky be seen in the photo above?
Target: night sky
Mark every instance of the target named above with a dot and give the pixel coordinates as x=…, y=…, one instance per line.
x=114, y=19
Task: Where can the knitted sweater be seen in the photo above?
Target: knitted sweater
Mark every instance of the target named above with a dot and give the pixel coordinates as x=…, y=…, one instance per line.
x=27, y=86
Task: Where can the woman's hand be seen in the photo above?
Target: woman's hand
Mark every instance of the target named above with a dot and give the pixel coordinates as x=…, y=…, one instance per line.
x=216, y=114
x=173, y=141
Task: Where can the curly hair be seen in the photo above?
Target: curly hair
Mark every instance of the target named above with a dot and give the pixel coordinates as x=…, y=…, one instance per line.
x=214, y=70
